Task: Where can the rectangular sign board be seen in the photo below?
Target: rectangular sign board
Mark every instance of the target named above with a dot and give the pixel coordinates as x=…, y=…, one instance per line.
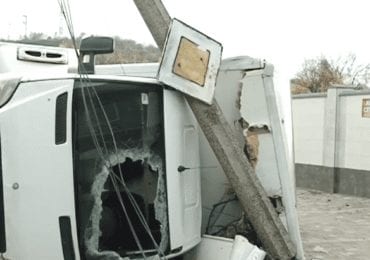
x=190, y=62
x=366, y=107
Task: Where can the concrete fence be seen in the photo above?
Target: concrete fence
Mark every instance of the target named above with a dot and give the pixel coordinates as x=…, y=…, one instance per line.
x=332, y=141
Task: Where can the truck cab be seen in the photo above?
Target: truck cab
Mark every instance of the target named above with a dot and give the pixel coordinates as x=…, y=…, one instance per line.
x=75, y=152
x=112, y=166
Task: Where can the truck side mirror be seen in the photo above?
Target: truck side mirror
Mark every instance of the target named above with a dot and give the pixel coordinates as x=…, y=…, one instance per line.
x=90, y=47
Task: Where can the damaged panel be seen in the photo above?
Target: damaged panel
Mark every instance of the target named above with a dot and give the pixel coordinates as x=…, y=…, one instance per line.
x=259, y=106
x=102, y=235
x=254, y=111
x=120, y=181
x=285, y=163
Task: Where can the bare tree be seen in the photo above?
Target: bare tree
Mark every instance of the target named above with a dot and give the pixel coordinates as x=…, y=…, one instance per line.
x=317, y=75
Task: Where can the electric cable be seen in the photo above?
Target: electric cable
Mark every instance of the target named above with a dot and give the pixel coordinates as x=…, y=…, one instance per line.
x=66, y=12
x=84, y=79
x=222, y=203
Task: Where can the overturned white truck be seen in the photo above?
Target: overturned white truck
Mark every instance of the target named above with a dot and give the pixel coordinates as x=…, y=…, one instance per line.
x=114, y=166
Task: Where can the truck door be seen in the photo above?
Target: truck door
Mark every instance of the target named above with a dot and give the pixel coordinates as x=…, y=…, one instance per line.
x=38, y=172
x=183, y=184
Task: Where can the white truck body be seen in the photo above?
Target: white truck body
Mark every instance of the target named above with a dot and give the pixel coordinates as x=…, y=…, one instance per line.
x=44, y=193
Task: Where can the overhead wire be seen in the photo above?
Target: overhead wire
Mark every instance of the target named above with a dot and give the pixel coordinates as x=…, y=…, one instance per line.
x=101, y=154
x=222, y=203
x=121, y=179
x=103, y=157
x=85, y=80
x=111, y=175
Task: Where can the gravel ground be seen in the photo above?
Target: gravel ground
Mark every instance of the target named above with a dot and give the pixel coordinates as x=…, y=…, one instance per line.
x=334, y=226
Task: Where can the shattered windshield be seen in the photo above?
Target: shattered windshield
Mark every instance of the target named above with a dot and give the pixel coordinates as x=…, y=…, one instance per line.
x=119, y=170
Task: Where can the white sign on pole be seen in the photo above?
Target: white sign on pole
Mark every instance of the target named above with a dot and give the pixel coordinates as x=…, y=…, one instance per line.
x=190, y=62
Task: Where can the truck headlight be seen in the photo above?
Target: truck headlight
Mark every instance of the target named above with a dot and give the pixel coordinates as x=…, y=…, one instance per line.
x=8, y=85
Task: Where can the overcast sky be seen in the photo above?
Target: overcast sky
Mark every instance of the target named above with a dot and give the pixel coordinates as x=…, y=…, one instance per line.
x=283, y=32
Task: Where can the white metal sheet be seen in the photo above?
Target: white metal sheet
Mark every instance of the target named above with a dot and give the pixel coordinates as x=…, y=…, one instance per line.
x=219, y=248
x=182, y=149
x=37, y=173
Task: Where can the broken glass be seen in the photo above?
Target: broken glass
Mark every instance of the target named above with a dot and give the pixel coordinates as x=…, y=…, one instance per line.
x=119, y=170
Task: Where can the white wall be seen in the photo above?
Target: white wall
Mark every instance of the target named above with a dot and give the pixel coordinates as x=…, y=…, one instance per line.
x=351, y=131
x=353, y=139
x=308, y=129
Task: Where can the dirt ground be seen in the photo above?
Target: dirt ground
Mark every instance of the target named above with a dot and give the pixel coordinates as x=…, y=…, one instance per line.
x=333, y=226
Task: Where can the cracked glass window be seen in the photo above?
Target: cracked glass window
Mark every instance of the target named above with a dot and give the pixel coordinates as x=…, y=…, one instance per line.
x=121, y=199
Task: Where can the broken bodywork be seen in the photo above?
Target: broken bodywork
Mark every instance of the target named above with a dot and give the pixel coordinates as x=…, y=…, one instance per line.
x=129, y=138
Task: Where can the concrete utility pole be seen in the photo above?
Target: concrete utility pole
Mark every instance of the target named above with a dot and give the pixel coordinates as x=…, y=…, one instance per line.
x=220, y=136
